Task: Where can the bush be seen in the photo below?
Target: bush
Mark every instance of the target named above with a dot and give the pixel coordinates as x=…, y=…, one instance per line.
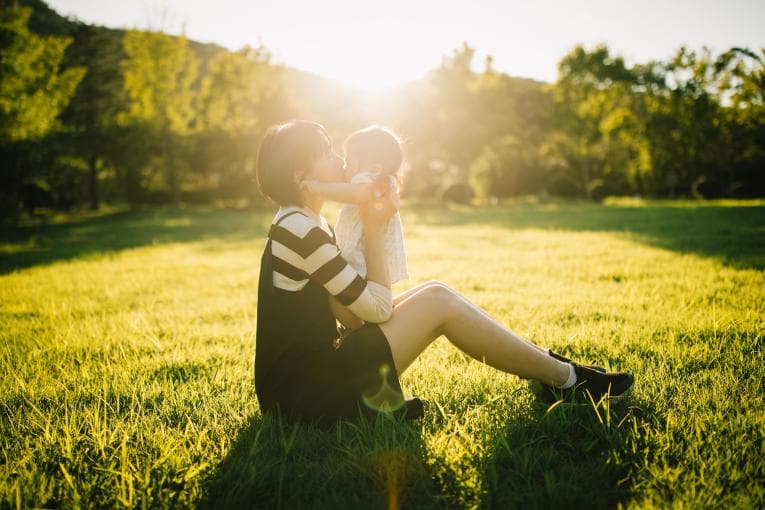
x=459, y=193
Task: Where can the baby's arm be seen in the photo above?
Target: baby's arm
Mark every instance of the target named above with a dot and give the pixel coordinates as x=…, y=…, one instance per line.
x=346, y=317
x=347, y=193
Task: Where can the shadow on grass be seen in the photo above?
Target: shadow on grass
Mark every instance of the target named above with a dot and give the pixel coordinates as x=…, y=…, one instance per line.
x=359, y=464
x=569, y=455
x=735, y=234
x=45, y=243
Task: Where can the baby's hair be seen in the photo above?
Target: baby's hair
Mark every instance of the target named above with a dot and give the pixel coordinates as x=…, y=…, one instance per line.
x=377, y=145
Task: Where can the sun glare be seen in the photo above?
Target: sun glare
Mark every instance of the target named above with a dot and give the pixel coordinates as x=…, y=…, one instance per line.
x=366, y=48
x=367, y=65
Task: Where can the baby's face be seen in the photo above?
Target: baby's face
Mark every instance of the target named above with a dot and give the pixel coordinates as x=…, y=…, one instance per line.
x=351, y=167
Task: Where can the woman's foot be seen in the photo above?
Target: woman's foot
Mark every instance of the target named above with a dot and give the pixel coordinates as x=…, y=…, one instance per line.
x=564, y=359
x=413, y=409
x=596, y=384
x=613, y=385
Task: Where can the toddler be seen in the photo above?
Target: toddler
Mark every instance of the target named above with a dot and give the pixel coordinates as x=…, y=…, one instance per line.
x=373, y=157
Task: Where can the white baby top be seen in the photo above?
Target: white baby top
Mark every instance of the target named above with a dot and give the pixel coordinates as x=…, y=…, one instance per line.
x=349, y=232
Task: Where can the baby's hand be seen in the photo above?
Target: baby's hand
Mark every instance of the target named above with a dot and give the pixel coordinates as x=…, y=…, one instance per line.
x=380, y=186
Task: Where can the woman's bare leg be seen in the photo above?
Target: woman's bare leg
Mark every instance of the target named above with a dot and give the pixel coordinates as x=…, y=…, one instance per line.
x=410, y=292
x=435, y=309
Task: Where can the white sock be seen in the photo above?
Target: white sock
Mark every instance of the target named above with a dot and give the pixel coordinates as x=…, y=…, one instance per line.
x=571, y=377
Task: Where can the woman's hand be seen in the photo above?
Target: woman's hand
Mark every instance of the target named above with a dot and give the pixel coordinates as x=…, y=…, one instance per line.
x=374, y=217
x=378, y=211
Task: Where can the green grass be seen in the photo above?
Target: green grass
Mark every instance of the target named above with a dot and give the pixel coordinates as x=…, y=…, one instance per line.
x=127, y=345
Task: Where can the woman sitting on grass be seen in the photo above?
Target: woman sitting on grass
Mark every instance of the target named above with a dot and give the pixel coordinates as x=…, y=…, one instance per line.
x=301, y=367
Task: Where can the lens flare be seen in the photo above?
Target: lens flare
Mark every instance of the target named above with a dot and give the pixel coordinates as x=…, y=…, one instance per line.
x=386, y=398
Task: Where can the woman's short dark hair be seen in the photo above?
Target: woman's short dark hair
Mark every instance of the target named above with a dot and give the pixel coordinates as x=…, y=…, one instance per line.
x=287, y=148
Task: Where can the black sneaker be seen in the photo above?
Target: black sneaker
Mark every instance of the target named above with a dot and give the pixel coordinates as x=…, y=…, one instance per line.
x=613, y=385
x=598, y=384
x=413, y=409
x=566, y=360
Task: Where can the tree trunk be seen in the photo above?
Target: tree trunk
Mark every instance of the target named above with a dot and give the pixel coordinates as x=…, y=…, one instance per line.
x=586, y=177
x=172, y=174
x=93, y=182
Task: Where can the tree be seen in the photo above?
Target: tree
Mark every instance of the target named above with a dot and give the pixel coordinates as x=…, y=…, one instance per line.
x=33, y=92
x=683, y=126
x=159, y=72
x=600, y=137
x=240, y=96
x=455, y=108
x=740, y=80
x=507, y=167
x=92, y=113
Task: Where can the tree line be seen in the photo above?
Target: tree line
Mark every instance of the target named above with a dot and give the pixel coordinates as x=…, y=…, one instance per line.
x=91, y=114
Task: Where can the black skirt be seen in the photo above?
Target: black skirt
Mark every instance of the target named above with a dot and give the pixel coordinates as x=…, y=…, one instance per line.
x=359, y=376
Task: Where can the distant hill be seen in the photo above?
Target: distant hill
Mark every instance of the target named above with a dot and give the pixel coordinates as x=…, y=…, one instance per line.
x=318, y=94
x=46, y=21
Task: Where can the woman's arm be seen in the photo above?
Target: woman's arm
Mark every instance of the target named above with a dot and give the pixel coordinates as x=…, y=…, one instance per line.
x=374, y=253
x=346, y=317
x=377, y=268
x=375, y=216
x=345, y=192
x=303, y=250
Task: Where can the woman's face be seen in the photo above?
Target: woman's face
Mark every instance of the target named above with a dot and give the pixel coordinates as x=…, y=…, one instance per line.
x=327, y=168
x=351, y=167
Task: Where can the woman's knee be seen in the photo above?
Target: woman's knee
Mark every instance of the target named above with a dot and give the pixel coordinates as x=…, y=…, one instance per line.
x=441, y=295
x=437, y=283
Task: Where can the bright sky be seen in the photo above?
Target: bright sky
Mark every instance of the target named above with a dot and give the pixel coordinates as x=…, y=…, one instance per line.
x=374, y=44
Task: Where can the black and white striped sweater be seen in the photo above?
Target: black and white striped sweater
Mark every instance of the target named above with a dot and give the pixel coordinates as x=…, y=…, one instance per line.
x=304, y=248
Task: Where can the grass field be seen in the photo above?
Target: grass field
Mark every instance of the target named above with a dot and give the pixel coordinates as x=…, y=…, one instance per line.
x=127, y=344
